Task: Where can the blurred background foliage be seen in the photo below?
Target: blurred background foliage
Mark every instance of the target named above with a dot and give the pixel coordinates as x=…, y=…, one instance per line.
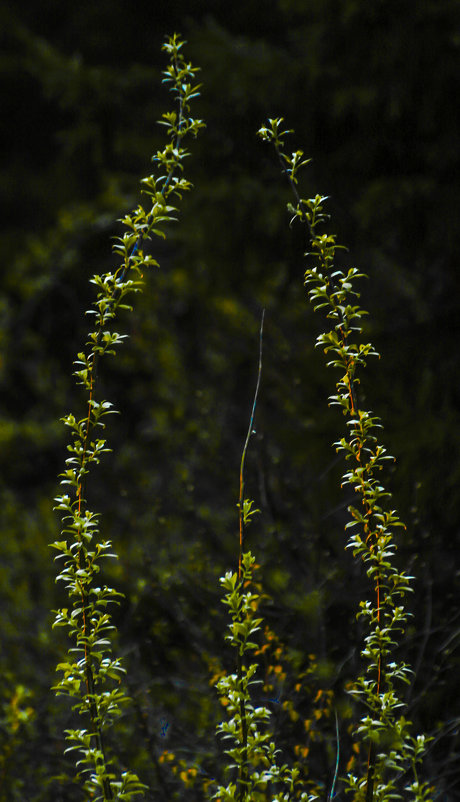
x=372, y=90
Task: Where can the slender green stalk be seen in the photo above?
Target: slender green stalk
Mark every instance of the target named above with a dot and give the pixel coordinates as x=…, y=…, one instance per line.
x=337, y=760
x=90, y=675
x=252, y=749
x=244, y=514
x=384, y=730
x=244, y=508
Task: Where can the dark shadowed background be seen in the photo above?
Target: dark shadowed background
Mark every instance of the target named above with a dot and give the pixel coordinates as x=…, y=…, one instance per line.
x=371, y=89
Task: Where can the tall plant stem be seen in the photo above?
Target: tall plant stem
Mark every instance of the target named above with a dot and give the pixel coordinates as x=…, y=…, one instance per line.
x=243, y=517
x=89, y=623
x=383, y=730
x=245, y=448
x=306, y=218
x=123, y=274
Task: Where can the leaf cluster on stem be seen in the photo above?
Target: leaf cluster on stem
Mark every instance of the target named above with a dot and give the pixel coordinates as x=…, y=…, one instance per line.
x=391, y=750
x=90, y=675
